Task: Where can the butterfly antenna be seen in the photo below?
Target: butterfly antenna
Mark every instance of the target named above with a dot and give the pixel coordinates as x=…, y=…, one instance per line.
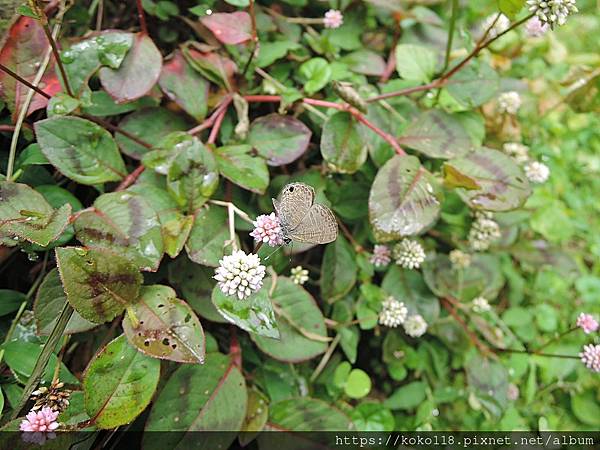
x=273, y=252
x=291, y=252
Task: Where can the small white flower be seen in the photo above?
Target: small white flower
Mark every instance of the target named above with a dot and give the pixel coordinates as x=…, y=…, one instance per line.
x=590, y=356
x=333, y=19
x=480, y=305
x=518, y=151
x=267, y=229
x=240, y=274
x=415, y=325
x=535, y=28
x=393, y=313
x=299, y=275
x=552, y=12
x=484, y=230
x=459, y=259
x=409, y=254
x=509, y=102
x=500, y=25
x=381, y=256
x=537, y=172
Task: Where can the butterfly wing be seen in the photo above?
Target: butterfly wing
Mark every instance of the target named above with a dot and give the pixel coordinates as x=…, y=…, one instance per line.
x=317, y=227
x=293, y=204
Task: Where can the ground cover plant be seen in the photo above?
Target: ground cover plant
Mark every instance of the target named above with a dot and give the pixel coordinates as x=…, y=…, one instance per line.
x=146, y=278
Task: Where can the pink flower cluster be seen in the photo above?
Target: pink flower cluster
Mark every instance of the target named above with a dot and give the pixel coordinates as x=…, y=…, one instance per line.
x=40, y=421
x=267, y=229
x=535, y=28
x=382, y=255
x=587, y=323
x=333, y=19
x=590, y=356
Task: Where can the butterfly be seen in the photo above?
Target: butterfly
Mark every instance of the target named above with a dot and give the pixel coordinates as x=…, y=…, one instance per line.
x=301, y=219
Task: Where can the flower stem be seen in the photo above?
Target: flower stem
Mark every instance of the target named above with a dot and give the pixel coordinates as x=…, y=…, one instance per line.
x=141, y=16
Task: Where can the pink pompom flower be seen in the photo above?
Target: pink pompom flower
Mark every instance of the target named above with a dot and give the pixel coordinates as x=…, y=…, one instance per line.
x=333, y=19
x=590, y=356
x=535, y=28
x=587, y=323
x=40, y=421
x=267, y=229
x=382, y=255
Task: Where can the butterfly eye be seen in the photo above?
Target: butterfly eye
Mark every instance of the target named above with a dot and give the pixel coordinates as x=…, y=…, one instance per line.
x=291, y=189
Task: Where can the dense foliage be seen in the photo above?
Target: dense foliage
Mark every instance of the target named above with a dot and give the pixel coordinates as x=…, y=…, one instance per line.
x=456, y=142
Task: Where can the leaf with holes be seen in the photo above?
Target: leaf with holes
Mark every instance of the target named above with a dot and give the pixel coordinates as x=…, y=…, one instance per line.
x=208, y=236
x=229, y=28
x=162, y=326
x=437, y=134
x=402, y=201
x=338, y=270
x=474, y=85
x=48, y=304
x=482, y=278
x=80, y=149
x=125, y=223
x=99, y=283
x=342, y=144
x=208, y=397
x=301, y=325
x=118, y=384
x=137, y=74
x=502, y=183
x=253, y=314
x=185, y=86
x=242, y=168
x=25, y=44
x=279, y=139
x=84, y=58
x=151, y=125
x=25, y=214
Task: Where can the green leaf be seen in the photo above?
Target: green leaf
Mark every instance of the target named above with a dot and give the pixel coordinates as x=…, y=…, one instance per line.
x=257, y=414
x=482, y=278
x=238, y=3
x=409, y=287
x=185, y=86
x=301, y=325
x=317, y=73
x=358, y=384
x=162, y=326
x=61, y=104
x=150, y=125
x=372, y=416
x=279, y=139
x=253, y=314
x=10, y=301
x=407, y=397
x=25, y=214
x=489, y=381
x=138, y=72
x=208, y=236
x=474, y=85
x=502, y=184
x=118, y=384
x=402, y=201
x=84, y=58
x=100, y=104
x=99, y=284
x=306, y=414
x=240, y=167
x=455, y=179
x=208, y=397
x=80, y=150
x=511, y=7
x=338, y=270
x=272, y=51
x=585, y=407
x=342, y=144
x=126, y=224
x=31, y=156
x=365, y=62
x=415, y=62
x=48, y=305
x=437, y=134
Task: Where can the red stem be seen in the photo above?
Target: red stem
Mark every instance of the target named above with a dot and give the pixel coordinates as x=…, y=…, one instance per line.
x=130, y=179
x=235, y=351
x=214, y=132
x=213, y=118
x=141, y=16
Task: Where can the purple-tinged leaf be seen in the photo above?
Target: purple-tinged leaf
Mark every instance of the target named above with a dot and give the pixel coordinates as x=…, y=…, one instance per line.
x=280, y=139
x=229, y=28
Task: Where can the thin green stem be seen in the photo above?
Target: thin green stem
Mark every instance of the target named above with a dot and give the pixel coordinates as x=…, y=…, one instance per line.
x=450, y=34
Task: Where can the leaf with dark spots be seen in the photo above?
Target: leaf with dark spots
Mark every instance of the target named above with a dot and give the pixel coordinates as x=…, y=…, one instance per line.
x=138, y=73
x=48, y=304
x=208, y=397
x=502, y=183
x=342, y=144
x=80, y=150
x=99, y=284
x=25, y=214
x=253, y=314
x=229, y=28
x=185, y=86
x=162, y=326
x=437, y=134
x=25, y=45
x=118, y=384
x=125, y=223
x=301, y=325
x=402, y=201
x=279, y=139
